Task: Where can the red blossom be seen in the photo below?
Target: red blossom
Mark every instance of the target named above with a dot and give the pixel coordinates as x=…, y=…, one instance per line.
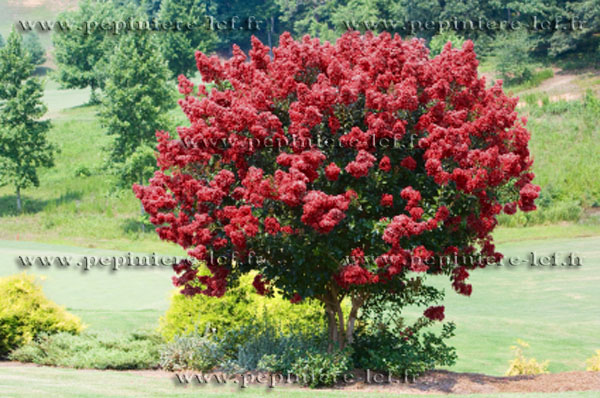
x=435, y=313
x=250, y=160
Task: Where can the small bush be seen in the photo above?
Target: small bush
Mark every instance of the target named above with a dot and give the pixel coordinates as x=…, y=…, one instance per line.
x=593, y=363
x=25, y=313
x=321, y=369
x=191, y=352
x=410, y=352
x=240, y=306
x=386, y=343
x=82, y=171
x=92, y=350
x=265, y=346
x=520, y=365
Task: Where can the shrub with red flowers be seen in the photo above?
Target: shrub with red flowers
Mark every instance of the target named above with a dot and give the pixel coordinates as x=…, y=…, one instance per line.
x=339, y=170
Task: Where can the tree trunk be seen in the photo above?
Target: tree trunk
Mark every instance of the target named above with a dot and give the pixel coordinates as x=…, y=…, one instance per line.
x=340, y=332
x=19, y=207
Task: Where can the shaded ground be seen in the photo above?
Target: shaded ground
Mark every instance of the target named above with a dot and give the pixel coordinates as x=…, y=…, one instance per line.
x=445, y=382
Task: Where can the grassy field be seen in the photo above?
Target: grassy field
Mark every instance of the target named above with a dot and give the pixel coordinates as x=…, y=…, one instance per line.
x=555, y=310
x=17, y=382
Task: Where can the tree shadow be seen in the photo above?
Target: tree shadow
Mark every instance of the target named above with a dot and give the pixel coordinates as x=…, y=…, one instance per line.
x=8, y=203
x=446, y=381
x=133, y=225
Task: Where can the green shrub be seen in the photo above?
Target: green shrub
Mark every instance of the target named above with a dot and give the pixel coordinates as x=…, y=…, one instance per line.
x=437, y=43
x=82, y=171
x=404, y=353
x=265, y=346
x=25, y=313
x=520, y=365
x=593, y=363
x=92, y=350
x=321, y=369
x=191, y=352
x=240, y=305
x=386, y=343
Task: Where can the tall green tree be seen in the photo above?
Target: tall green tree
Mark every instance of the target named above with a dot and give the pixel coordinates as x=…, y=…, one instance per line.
x=179, y=46
x=81, y=53
x=137, y=94
x=24, y=146
x=32, y=44
x=136, y=99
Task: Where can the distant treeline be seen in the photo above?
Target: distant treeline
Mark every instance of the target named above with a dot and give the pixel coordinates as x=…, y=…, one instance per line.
x=556, y=27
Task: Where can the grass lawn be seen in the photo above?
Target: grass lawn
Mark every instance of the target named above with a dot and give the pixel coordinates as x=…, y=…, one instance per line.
x=555, y=310
x=26, y=382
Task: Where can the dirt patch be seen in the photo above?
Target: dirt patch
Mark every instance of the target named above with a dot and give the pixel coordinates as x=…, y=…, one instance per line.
x=445, y=382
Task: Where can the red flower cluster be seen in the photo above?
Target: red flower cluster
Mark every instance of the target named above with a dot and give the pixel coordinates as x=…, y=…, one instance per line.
x=249, y=168
x=435, y=313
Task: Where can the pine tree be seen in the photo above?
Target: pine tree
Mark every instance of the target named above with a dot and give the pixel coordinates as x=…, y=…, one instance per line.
x=136, y=100
x=179, y=46
x=23, y=143
x=137, y=94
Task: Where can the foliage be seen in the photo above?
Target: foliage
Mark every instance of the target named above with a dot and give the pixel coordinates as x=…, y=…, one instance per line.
x=238, y=307
x=2, y=42
x=33, y=46
x=241, y=19
x=136, y=99
x=288, y=167
x=584, y=39
x=437, y=42
x=386, y=343
x=593, y=363
x=192, y=352
x=178, y=46
x=137, y=350
x=520, y=365
x=81, y=54
x=25, y=312
x=513, y=56
x=319, y=369
x=536, y=79
x=265, y=346
x=23, y=141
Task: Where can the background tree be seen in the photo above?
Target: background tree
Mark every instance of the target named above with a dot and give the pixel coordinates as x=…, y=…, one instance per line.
x=178, y=46
x=80, y=54
x=135, y=103
x=339, y=172
x=512, y=52
x=32, y=44
x=2, y=43
x=23, y=143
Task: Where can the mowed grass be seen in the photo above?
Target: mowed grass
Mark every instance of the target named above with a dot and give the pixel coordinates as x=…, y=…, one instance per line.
x=27, y=382
x=554, y=309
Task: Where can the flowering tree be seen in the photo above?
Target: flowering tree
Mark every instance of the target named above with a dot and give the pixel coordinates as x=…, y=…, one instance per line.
x=339, y=171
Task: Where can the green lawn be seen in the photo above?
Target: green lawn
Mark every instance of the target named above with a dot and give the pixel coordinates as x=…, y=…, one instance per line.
x=555, y=310
x=27, y=382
